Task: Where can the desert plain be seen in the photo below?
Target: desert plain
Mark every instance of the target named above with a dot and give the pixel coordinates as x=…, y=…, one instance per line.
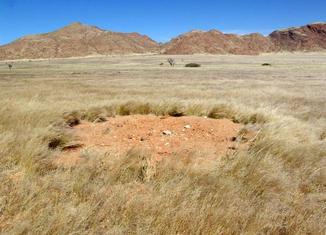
x=269, y=177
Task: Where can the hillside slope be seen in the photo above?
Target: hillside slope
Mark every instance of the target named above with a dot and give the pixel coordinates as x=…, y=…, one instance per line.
x=311, y=37
x=77, y=40
x=216, y=42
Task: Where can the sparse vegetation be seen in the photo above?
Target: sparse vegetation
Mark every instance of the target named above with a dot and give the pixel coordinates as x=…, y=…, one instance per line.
x=266, y=64
x=276, y=187
x=221, y=111
x=176, y=111
x=71, y=118
x=192, y=65
x=171, y=62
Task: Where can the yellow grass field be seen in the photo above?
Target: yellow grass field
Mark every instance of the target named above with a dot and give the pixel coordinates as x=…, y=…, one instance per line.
x=277, y=186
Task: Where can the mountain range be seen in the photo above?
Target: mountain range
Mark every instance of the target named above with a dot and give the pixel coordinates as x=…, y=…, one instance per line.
x=77, y=40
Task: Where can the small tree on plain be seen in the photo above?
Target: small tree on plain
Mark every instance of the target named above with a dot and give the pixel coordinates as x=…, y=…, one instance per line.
x=171, y=62
x=10, y=66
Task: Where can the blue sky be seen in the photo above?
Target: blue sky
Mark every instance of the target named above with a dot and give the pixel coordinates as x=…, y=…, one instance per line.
x=159, y=19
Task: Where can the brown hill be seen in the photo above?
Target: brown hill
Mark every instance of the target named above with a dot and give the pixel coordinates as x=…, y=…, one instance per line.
x=307, y=38
x=215, y=42
x=77, y=40
x=82, y=40
x=311, y=37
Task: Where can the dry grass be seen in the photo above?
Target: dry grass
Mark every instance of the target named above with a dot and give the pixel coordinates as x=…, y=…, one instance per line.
x=277, y=187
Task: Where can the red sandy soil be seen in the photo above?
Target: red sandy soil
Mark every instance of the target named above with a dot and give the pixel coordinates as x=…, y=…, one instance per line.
x=189, y=134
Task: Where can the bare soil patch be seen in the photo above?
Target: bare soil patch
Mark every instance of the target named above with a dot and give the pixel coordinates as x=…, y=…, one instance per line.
x=159, y=136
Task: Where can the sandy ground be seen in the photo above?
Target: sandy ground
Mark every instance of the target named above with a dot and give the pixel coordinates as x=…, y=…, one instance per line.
x=159, y=136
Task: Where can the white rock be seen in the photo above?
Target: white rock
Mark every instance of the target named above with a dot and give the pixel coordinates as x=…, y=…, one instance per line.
x=167, y=132
x=187, y=126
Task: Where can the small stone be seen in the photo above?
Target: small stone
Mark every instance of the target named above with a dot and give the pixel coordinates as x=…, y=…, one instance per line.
x=142, y=139
x=187, y=126
x=167, y=132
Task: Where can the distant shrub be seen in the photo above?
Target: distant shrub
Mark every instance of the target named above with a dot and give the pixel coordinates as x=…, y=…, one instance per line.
x=192, y=65
x=266, y=64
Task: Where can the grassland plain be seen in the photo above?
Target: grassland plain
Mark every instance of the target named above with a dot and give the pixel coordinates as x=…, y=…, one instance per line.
x=275, y=187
